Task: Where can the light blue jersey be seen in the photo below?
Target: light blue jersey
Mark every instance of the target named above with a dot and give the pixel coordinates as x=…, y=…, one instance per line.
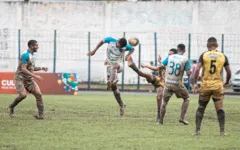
x=175, y=66
x=27, y=58
x=115, y=54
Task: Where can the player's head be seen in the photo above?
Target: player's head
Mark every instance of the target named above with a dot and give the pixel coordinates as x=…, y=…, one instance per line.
x=181, y=48
x=212, y=43
x=172, y=51
x=33, y=45
x=121, y=43
x=151, y=62
x=194, y=61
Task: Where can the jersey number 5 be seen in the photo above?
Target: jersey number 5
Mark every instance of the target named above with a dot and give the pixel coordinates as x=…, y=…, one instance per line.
x=175, y=68
x=213, y=67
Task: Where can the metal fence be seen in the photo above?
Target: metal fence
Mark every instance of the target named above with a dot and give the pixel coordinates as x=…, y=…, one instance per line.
x=65, y=51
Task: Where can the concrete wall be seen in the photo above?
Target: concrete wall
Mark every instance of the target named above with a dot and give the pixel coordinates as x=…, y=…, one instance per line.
x=171, y=20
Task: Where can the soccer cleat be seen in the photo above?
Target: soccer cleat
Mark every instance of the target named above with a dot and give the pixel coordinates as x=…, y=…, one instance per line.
x=223, y=134
x=122, y=107
x=10, y=112
x=197, y=133
x=40, y=117
x=158, y=120
x=183, y=121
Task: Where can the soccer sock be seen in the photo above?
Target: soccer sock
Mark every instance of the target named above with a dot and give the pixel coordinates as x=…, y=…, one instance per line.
x=16, y=101
x=134, y=67
x=118, y=97
x=40, y=105
x=184, y=108
x=221, y=119
x=163, y=111
x=159, y=102
x=199, y=117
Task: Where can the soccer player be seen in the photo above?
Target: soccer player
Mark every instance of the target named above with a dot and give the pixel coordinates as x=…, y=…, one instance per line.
x=175, y=67
x=156, y=81
x=115, y=53
x=194, y=66
x=212, y=63
x=24, y=79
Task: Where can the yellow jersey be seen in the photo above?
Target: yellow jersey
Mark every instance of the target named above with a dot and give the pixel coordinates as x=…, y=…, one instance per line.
x=212, y=64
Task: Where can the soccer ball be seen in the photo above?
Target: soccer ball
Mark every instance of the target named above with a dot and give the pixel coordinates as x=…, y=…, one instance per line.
x=133, y=41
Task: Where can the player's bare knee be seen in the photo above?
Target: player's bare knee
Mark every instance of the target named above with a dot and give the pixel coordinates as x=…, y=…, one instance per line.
x=23, y=95
x=130, y=64
x=186, y=100
x=159, y=97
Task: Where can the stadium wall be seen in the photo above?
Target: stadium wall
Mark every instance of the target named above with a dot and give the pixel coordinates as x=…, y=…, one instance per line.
x=172, y=22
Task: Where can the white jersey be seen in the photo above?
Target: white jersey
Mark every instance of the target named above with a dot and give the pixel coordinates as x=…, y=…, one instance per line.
x=113, y=53
x=175, y=66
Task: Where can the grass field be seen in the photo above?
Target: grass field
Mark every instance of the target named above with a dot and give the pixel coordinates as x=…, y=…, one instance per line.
x=91, y=121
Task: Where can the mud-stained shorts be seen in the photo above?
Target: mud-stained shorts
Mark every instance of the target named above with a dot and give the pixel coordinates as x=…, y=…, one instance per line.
x=157, y=82
x=180, y=92
x=27, y=85
x=217, y=94
x=109, y=68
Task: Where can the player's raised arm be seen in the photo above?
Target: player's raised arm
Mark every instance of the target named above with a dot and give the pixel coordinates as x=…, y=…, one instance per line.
x=188, y=68
x=130, y=50
x=228, y=70
x=154, y=68
x=91, y=53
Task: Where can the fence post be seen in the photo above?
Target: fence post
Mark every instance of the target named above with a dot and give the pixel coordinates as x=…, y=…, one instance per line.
x=124, y=34
x=155, y=43
x=189, y=56
x=222, y=43
x=139, y=63
x=222, y=49
x=55, y=50
x=89, y=61
x=19, y=44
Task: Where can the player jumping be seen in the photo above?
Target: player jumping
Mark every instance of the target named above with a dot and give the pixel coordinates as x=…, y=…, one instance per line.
x=115, y=53
x=156, y=81
x=175, y=67
x=212, y=62
x=24, y=79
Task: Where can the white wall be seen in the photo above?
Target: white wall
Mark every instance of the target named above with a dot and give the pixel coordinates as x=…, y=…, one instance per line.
x=171, y=20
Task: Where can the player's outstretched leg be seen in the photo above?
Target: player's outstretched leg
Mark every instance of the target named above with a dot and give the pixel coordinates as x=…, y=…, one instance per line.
x=22, y=95
x=131, y=64
x=184, y=111
x=199, y=116
x=38, y=95
x=159, y=103
x=221, y=115
x=14, y=103
x=117, y=96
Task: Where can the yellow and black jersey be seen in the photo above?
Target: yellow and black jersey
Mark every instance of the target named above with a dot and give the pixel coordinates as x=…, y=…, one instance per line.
x=212, y=64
